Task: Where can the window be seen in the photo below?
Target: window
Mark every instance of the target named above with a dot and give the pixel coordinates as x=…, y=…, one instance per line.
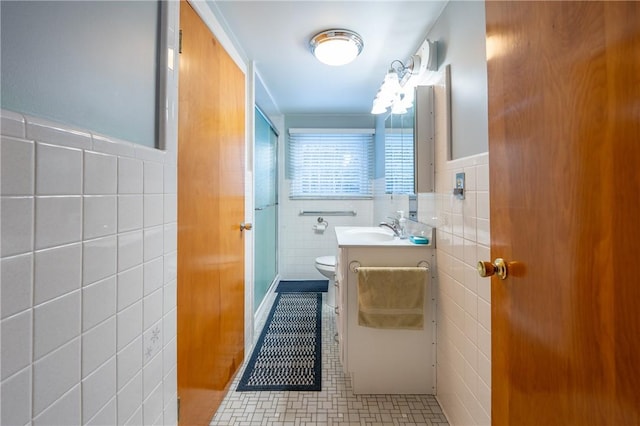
x=398, y=162
x=330, y=163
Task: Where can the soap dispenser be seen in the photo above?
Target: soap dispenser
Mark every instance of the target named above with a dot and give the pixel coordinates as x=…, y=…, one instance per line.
x=402, y=225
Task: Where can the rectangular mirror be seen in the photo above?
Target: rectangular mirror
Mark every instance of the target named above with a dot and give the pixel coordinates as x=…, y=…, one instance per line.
x=399, y=153
x=409, y=147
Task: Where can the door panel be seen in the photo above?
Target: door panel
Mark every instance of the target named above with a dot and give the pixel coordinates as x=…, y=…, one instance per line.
x=211, y=143
x=564, y=152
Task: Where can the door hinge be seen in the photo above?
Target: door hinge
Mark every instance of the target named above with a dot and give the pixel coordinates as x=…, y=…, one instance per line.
x=178, y=409
x=180, y=42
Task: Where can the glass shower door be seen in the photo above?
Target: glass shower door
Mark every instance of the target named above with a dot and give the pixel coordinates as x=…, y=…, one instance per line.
x=266, y=207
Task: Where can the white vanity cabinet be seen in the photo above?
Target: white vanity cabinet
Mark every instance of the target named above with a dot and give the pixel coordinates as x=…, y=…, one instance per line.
x=384, y=361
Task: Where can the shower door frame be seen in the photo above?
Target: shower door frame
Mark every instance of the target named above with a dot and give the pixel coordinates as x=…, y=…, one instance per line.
x=272, y=128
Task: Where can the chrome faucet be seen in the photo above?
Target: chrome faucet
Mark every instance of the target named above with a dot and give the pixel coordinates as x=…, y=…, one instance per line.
x=395, y=226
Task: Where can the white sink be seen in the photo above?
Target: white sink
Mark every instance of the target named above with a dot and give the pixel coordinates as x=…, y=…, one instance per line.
x=372, y=236
x=369, y=234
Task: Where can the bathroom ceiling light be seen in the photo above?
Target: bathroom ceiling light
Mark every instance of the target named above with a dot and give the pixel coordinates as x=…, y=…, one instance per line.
x=396, y=91
x=336, y=47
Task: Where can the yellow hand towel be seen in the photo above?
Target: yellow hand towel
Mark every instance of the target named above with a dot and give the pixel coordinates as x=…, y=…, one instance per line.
x=391, y=297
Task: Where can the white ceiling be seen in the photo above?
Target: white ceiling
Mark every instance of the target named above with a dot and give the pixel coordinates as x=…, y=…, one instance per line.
x=276, y=34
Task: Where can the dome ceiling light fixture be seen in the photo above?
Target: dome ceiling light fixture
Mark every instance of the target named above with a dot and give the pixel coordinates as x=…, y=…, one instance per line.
x=336, y=47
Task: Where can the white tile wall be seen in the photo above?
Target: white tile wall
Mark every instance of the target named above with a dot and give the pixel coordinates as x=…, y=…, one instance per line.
x=58, y=220
x=129, y=176
x=98, y=259
x=130, y=399
x=88, y=277
x=16, y=349
x=16, y=278
x=16, y=224
x=129, y=362
x=98, y=388
x=106, y=416
x=17, y=165
x=58, y=271
x=300, y=244
x=55, y=323
x=130, y=212
x=98, y=346
x=58, y=170
x=99, y=216
x=98, y=302
x=55, y=374
x=464, y=299
x=65, y=411
x=16, y=392
x=100, y=173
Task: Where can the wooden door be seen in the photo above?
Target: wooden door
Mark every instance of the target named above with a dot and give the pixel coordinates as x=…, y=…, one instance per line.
x=564, y=157
x=211, y=143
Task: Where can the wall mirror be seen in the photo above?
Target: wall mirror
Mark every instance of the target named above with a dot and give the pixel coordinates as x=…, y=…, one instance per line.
x=399, y=153
x=409, y=147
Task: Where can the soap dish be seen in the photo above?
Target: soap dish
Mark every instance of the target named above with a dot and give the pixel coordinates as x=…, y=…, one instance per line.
x=415, y=239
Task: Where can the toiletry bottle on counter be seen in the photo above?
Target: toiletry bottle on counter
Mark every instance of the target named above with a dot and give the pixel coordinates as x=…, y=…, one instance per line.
x=402, y=224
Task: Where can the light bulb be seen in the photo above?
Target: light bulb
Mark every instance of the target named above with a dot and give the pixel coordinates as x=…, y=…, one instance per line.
x=336, y=52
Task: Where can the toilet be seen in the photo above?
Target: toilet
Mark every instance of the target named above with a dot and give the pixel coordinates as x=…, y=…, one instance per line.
x=326, y=265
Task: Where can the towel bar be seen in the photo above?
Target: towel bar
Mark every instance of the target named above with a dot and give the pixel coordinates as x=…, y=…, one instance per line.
x=328, y=212
x=354, y=265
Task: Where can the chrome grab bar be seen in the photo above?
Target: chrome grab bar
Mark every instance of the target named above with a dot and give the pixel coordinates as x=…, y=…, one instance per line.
x=328, y=212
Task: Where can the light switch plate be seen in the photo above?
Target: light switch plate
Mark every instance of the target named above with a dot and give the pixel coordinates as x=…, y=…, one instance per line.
x=458, y=191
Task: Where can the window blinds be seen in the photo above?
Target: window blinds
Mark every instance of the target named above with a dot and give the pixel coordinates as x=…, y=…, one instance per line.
x=398, y=163
x=330, y=163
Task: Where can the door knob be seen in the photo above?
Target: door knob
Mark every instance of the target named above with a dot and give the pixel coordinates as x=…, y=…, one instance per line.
x=498, y=267
x=246, y=226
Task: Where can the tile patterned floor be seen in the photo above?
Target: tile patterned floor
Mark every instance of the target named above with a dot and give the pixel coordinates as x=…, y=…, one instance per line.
x=334, y=405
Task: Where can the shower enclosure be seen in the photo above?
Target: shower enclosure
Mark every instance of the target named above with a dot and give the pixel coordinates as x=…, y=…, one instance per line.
x=266, y=206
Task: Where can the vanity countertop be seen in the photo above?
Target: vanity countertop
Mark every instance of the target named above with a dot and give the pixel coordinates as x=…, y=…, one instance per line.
x=372, y=236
